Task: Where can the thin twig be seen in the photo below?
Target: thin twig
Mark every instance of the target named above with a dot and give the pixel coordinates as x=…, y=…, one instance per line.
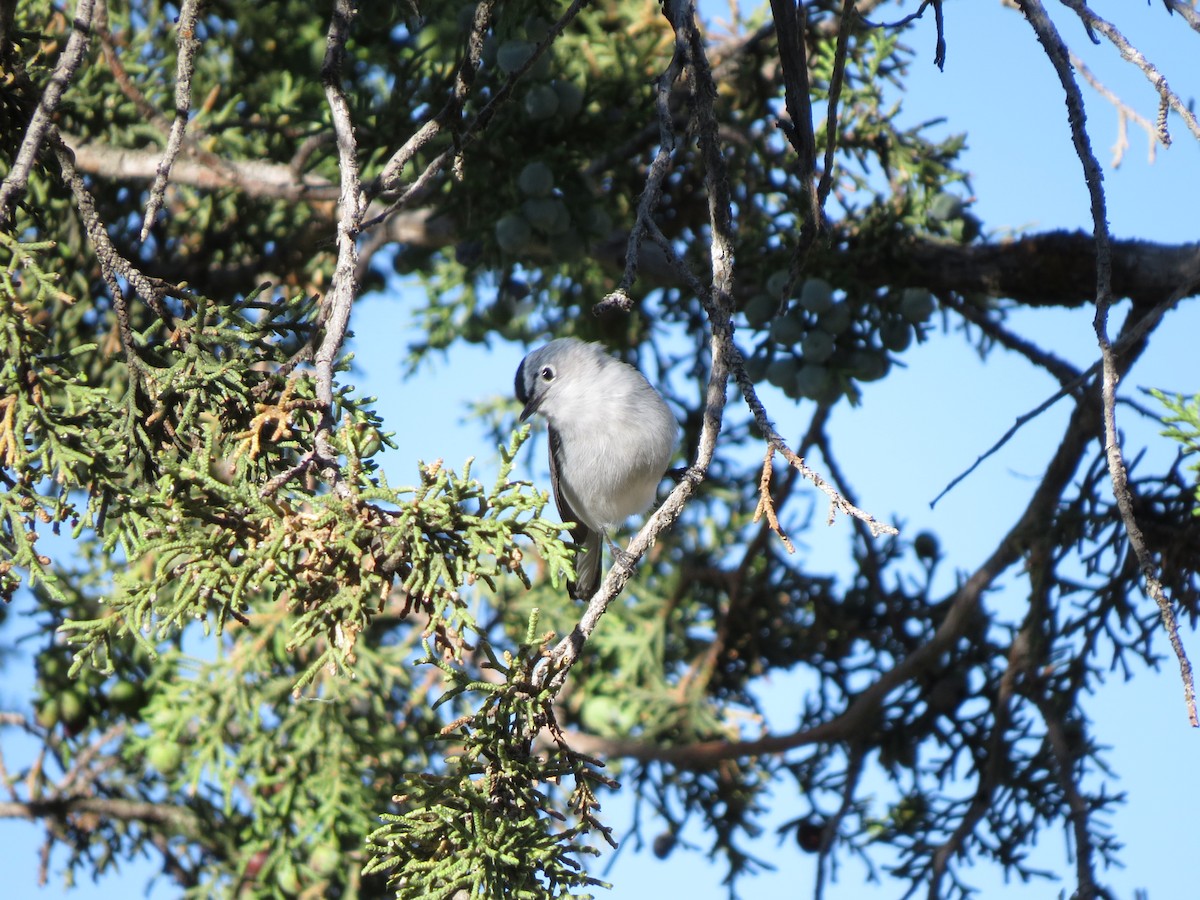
x=962, y=610
x=1131, y=54
x=343, y=288
x=651, y=197
x=766, y=505
x=464, y=76
x=1061, y=370
x=302, y=465
x=41, y=121
x=1132, y=333
x=1125, y=113
x=1185, y=9
x=857, y=755
x=189, y=12
x=997, y=758
x=793, y=62
x=388, y=179
x=113, y=266
x=836, y=78
x=718, y=303
x=1056, y=50
x=1064, y=763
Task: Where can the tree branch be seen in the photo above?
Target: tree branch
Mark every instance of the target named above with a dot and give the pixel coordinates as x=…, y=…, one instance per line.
x=179, y=819
x=343, y=289
x=42, y=119
x=1056, y=50
x=962, y=608
x=189, y=11
x=1132, y=55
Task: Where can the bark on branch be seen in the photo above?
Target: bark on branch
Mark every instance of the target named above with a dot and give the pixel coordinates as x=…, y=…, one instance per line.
x=1055, y=268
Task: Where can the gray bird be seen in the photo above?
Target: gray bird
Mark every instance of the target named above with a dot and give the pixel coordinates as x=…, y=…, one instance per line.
x=611, y=438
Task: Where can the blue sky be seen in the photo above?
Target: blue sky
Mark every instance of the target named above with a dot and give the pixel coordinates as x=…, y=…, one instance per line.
x=916, y=429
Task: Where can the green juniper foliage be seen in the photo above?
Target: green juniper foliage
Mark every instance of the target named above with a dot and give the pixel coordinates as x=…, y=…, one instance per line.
x=492, y=824
x=262, y=665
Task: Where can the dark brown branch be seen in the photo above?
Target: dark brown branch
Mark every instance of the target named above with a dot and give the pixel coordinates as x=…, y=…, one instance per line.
x=1078, y=816
x=1061, y=370
x=836, y=78
x=996, y=759
x=1136, y=329
x=789, y=29
x=651, y=197
x=176, y=818
x=450, y=112
x=1054, y=268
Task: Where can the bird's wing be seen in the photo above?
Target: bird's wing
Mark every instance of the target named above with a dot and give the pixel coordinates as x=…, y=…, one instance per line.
x=587, y=558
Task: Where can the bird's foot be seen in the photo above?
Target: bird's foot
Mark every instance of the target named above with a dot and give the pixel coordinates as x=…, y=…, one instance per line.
x=624, y=558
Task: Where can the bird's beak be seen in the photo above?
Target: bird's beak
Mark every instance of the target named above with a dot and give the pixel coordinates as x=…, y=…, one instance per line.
x=531, y=407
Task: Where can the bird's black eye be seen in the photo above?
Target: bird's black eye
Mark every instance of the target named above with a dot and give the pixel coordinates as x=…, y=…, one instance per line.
x=547, y=373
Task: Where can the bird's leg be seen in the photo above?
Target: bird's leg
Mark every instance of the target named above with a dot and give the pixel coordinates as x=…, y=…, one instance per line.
x=625, y=559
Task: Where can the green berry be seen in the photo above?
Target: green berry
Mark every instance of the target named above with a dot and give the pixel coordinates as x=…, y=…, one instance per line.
x=777, y=282
x=325, y=860
x=896, y=335
x=126, y=697
x=547, y=214
x=570, y=98
x=837, y=318
x=513, y=233
x=756, y=367
x=816, y=347
x=760, y=309
x=537, y=28
x=511, y=55
x=782, y=373
x=664, y=844
x=73, y=709
x=945, y=206
x=541, y=102
x=568, y=246
x=286, y=878
x=536, y=180
x=926, y=546
x=868, y=365
x=817, y=296
x=597, y=222
x=787, y=330
x=165, y=756
x=815, y=383
x=48, y=713
x=916, y=305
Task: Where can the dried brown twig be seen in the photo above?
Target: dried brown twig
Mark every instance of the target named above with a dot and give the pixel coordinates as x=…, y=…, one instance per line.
x=766, y=506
